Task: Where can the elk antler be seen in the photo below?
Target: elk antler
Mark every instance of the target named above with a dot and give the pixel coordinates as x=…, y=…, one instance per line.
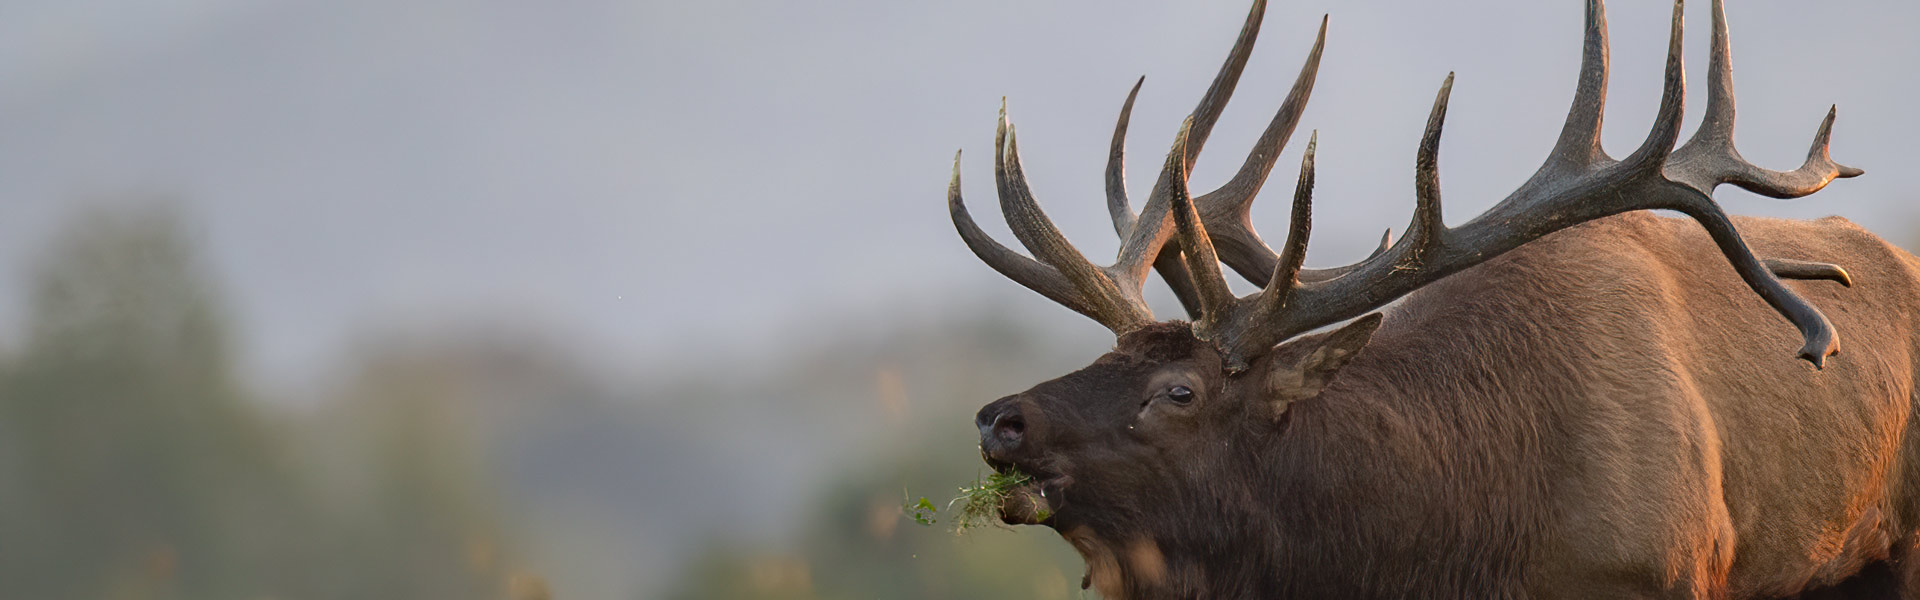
x=1577, y=183
x=1226, y=211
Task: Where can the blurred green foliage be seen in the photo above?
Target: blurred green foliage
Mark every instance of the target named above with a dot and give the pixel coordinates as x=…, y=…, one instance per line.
x=134, y=466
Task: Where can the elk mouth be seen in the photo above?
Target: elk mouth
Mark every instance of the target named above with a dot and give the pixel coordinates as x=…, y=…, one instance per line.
x=1038, y=500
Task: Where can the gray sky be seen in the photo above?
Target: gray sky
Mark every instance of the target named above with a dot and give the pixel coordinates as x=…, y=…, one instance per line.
x=658, y=176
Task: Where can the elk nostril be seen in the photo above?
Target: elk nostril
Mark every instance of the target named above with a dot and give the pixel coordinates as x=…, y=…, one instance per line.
x=1003, y=425
x=1010, y=427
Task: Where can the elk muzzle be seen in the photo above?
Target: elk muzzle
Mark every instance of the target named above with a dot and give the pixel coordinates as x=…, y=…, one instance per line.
x=1003, y=430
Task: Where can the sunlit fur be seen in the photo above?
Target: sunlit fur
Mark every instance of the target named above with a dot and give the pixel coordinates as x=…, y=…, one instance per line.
x=1607, y=412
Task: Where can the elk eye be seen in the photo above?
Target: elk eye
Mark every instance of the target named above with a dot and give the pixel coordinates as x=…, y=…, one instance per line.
x=1179, y=394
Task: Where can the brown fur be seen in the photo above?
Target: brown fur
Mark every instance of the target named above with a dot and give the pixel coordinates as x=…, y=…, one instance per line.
x=1607, y=412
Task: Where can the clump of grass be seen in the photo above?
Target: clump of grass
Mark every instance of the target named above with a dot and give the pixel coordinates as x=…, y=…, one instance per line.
x=978, y=504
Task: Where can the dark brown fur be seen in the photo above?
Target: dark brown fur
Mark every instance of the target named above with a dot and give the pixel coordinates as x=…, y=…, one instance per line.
x=1607, y=412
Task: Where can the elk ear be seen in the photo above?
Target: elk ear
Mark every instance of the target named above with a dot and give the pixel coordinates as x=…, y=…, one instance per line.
x=1303, y=367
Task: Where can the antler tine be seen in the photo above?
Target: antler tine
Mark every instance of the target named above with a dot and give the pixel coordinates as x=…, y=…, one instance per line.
x=1717, y=124
x=1117, y=205
x=1212, y=104
x=1025, y=271
x=1227, y=209
x=1102, y=295
x=1710, y=158
x=1215, y=296
x=1029, y=224
x=1215, y=100
x=1579, y=143
x=1653, y=152
x=1246, y=325
x=1786, y=268
x=1169, y=265
x=1286, y=274
x=1294, y=254
x=1428, y=222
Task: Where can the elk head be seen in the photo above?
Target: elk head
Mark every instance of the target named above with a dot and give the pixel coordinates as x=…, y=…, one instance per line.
x=1134, y=453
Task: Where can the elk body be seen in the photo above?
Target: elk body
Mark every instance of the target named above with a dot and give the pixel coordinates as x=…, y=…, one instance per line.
x=1566, y=397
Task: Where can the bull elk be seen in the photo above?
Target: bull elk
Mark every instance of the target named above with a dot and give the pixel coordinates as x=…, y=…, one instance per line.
x=1564, y=397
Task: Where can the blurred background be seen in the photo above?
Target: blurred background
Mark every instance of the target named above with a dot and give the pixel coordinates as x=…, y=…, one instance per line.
x=424, y=299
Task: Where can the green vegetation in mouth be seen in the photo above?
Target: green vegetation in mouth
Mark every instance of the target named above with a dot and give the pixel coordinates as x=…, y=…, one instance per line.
x=978, y=503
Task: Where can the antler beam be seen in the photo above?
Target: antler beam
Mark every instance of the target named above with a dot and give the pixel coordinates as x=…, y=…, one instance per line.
x=1577, y=183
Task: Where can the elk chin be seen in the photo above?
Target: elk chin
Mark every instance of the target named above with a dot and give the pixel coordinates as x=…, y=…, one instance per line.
x=1036, y=503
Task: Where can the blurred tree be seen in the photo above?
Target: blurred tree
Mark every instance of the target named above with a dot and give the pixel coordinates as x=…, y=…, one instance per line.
x=417, y=524
x=135, y=467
